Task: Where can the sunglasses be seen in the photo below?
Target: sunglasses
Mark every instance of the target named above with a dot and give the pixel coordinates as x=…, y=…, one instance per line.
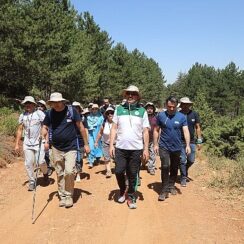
x=128, y=93
x=108, y=113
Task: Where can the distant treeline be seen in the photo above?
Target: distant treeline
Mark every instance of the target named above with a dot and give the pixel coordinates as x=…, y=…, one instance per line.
x=46, y=46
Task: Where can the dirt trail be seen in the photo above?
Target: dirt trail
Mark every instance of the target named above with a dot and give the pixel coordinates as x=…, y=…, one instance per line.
x=96, y=217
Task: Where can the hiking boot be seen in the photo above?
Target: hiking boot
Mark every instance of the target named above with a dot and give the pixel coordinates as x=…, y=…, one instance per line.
x=152, y=171
x=131, y=202
x=183, y=182
x=31, y=186
x=163, y=195
x=122, y=198
x=173, y=191
x=90, y=166
x=108, y=174
x=68, y=202
x=62, y=202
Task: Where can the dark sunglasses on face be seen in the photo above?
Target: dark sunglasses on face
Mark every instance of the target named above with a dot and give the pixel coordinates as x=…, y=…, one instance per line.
x=131, y=93
x=108, y=113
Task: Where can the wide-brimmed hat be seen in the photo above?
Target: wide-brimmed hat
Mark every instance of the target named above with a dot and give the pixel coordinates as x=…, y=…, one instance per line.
x=132, y=88
x=90, y=104
x=77, y=104
x=95, y=106
x=29, y=99
x=42, y=102
x=108, y=109
x=56, y=97
x=186, y=100
x=85, y=111
x=150, y=104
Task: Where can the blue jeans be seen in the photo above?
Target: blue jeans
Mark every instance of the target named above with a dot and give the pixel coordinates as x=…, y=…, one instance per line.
x=186, y=161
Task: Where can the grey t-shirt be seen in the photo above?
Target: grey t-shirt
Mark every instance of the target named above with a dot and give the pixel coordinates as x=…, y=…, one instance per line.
x=32, y=126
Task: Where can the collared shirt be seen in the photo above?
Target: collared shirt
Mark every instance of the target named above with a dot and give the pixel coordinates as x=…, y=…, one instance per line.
x=171, y=130
x=130, y=122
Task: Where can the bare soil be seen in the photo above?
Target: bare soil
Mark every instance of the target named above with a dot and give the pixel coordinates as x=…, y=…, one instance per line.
x=194, y=215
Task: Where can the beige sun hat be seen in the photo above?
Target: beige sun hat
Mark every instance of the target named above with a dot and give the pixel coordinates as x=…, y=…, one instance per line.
x=77, y=104
x=42, y=102
x=109, y=109
x=186, y=100
x=95, y=106
x=150, y=104
x=56, y=97
x=132, y=88
x=29, y=99
x=85, y=111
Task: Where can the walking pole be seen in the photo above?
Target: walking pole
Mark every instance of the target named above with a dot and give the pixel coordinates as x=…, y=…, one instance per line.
x=37, y=168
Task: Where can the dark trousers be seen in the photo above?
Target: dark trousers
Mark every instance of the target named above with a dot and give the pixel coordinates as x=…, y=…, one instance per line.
x=169, y=168
x=128, y=161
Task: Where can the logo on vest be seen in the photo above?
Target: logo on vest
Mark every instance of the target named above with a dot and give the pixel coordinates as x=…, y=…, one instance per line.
x=137, y=113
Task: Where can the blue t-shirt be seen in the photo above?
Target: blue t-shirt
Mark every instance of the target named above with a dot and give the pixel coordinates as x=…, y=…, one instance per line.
x=171, y=130
x=63, y=129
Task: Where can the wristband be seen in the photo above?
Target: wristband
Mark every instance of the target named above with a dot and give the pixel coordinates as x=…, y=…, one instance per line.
x=199, y=141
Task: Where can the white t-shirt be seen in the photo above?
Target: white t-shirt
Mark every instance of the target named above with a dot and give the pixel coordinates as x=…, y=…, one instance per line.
x=32, y=126
x=106, y=132
x=130, y=126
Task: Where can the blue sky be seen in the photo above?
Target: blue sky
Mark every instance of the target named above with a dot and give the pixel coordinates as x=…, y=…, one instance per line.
x=175, y=33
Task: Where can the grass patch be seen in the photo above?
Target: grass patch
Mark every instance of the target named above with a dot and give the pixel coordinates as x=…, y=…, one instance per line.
x=8, y=121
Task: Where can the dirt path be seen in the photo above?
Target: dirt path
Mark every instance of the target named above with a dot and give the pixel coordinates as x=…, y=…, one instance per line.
x=189, y=217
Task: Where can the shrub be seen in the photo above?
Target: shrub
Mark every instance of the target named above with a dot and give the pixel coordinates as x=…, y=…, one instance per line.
x=8, y=121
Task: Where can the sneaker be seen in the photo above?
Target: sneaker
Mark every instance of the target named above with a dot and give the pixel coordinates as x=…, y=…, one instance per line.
x=68, y=202
x=50, y=170
x=152, y=171
x=90, y=166
x=173, y=191
x=122, y=198
x=77, y=179
x=163, y=195
x=183, y=182
x=31, y=186
x=62, y=202
x=108, y=174
x=131, y=202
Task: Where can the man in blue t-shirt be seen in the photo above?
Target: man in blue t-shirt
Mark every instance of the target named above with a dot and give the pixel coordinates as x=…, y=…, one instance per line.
x=62, y=123
x=193, y=122
x=172, y=123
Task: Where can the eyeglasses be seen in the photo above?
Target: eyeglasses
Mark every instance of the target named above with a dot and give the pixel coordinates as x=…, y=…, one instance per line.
x=129, y=93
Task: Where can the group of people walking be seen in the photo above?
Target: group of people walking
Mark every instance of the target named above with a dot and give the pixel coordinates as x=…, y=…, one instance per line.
x=129, y=133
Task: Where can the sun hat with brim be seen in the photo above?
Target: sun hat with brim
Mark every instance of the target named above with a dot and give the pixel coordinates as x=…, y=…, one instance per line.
x=186, y=100
x=90, y=104
x=131, y=88
x=28, y=99
x=109, y=109
x=95, y=106
x=42, y=103
x=150, y=104
x=56, y=97
x=85, y=111
x=77, y=104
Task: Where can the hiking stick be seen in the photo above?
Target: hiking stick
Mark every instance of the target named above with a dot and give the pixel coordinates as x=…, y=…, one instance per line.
x=37, y=169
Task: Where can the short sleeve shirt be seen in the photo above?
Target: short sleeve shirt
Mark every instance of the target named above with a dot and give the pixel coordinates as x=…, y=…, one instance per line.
x=32, y=126
x=192, y=120
x=63, y=129
x=171, y=130
x=130, y=126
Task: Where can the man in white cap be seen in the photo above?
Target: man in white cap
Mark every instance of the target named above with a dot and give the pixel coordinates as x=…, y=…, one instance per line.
x=130, y=123
x=61, y=122
x=193, y=121
x=31, y=121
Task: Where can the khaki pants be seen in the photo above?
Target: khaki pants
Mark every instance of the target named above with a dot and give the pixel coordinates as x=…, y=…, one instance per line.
x=64, y=163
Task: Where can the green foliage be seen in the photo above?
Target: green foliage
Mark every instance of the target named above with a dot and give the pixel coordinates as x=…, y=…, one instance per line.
x=226, y=137
x=8, y=121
